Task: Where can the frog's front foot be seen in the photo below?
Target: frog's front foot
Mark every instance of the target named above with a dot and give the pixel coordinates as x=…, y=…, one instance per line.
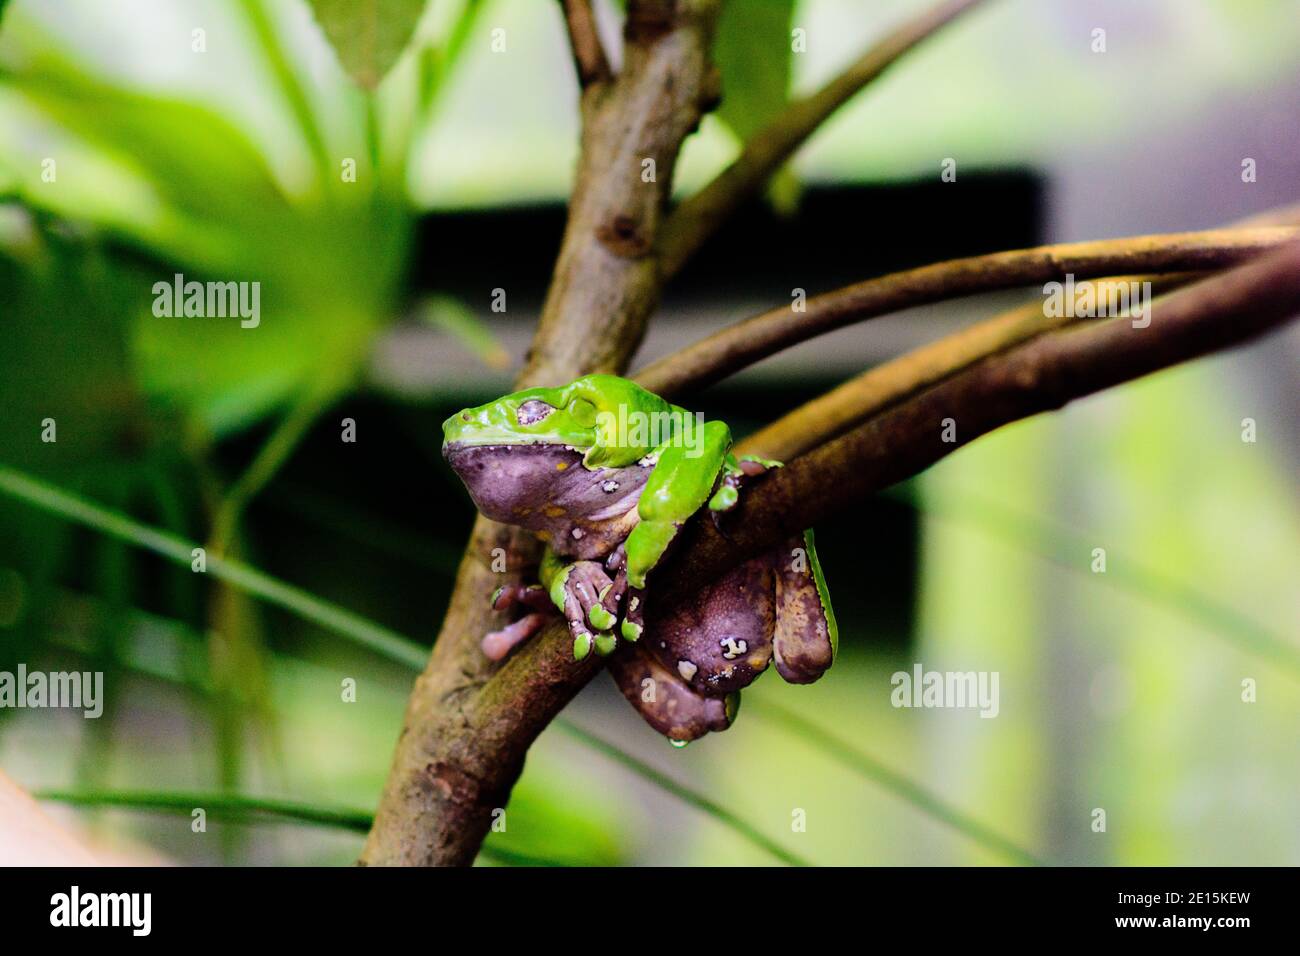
x=586, y=597
x=734, y=476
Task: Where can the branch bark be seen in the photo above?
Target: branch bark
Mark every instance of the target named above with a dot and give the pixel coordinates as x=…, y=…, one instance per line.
x=466, y=729
x=744, y=343
x=699, y=216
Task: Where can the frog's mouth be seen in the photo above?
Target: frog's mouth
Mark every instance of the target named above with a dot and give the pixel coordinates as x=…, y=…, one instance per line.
x=502, y=479
x=542, y=486
x=473, y=456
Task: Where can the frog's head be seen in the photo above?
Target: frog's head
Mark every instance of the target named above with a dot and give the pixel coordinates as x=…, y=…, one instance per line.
x=535, y=416
x=518, y=452
x=541, y=445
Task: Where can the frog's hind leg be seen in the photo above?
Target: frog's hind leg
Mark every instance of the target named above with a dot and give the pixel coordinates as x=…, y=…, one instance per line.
x=806, y=635
x=721, y=639
x=497, y=644
x=668, y=703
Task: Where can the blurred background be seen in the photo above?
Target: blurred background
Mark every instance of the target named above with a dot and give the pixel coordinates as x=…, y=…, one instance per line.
x=144, y=138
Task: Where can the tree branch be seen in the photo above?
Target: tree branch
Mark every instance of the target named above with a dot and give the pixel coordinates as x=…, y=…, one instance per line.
x=744, y=343
x=588, y=52
x=829, y=415
x=699, y=216
x=466, y=729
x=871, y=392
x=1042, y=375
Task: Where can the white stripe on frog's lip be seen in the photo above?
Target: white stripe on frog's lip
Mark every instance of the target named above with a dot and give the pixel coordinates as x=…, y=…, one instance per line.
x=499, y=440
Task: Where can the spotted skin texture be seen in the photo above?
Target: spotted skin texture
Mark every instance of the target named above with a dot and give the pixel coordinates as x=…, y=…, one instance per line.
x=545, y=488
x=721, y=641
x=665, y=701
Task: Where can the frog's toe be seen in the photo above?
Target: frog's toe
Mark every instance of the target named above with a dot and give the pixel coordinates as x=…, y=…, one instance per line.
x=664, y=700
x=530, y=595
x=634, y=615
x=591, y=588
x=586, y=593
x=734, y=478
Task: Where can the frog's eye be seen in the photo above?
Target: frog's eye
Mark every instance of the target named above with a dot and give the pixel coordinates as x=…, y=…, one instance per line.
x=532, y=411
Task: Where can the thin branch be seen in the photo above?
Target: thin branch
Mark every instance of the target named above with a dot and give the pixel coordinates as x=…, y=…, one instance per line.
x=588, y=52
x=874, y=390
x=744, y=343
x=831, y=414
x=700, y=215
x=238, y=808
x=1044, y=374
x=1054, y=542
x=238, y=575
x=235, y=807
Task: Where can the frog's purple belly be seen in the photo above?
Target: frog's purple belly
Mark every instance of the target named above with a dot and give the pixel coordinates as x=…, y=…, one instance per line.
x=546, y=489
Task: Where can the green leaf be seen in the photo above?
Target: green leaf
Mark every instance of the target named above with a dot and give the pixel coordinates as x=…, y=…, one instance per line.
x=192, y=188
x=368, y=35
x=752, y=49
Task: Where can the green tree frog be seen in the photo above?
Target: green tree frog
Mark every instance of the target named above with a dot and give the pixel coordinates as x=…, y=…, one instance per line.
x=606, y=473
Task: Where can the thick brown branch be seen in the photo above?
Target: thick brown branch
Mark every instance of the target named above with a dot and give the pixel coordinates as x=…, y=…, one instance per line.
x=744, y=343
x=588, y=52
x=697, y=217
x=1039, y=376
